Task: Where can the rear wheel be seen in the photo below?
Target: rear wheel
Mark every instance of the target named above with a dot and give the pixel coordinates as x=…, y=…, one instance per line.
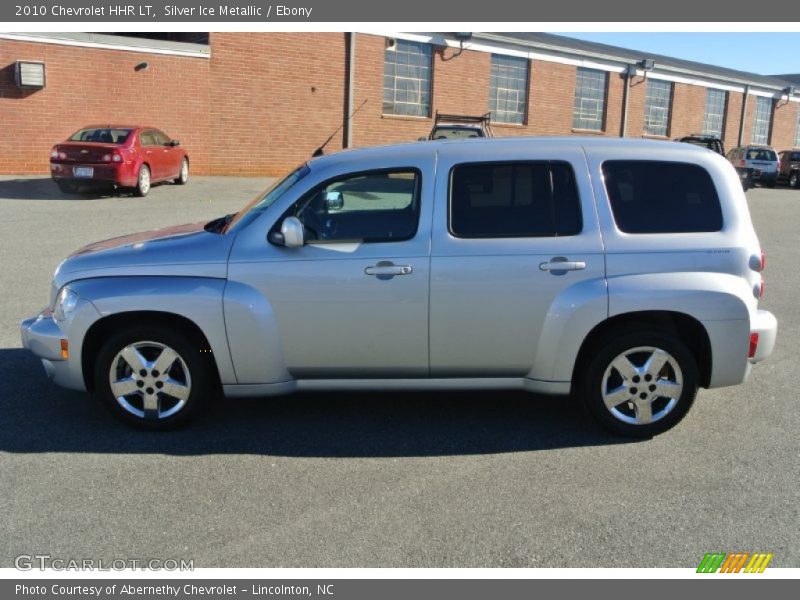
x=152, y=378
x=143, y=182
x=183, y=176
x=794, y=179
x=640, y=384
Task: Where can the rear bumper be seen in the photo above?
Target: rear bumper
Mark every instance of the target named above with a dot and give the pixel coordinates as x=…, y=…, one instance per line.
x=766, y=326
x=120, y=173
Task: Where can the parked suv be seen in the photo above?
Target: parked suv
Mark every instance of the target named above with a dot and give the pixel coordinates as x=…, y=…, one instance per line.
x=789, y=167
x=762, y=162
x=713, y=143
x=457, y=127
x=624, y=271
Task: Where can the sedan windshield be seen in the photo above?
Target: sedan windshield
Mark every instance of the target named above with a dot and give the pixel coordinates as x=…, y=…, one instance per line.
x=263, y=201
x=104, y=135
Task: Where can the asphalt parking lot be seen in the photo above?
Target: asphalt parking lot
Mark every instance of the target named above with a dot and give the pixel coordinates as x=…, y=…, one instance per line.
x=401, y=480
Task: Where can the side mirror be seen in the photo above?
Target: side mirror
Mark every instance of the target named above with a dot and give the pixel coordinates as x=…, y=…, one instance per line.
x=334, y=200
x=173, y=143
x=291, y=234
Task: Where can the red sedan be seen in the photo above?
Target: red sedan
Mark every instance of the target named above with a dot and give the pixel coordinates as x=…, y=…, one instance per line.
x=122, y=156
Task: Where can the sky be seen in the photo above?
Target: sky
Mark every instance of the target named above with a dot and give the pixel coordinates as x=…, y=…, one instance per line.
x=763, y=53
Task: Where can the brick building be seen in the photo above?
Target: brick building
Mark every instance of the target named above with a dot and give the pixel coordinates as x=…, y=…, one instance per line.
x=259, y=103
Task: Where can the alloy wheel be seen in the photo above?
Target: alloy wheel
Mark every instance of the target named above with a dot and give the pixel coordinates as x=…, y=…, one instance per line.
x=642, y=385
x=150, y=380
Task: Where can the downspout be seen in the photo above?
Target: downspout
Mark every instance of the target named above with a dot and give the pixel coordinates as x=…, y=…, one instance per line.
x=348, y=109
x=744, y=113
x=624, y=124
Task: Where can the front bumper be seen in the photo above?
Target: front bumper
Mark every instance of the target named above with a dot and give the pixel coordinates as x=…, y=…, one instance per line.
x=42, y=335
x=765, y=325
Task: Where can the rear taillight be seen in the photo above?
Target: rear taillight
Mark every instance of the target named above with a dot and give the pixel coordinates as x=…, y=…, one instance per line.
x=54, y=153
x=741, y=163
x=763, y=261
x=113, y=157
x=62, y=155
x=57, y=153
x=753, y=345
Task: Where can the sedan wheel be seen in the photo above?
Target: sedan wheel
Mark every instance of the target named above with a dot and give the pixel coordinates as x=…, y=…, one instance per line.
x=143, y=183
x=183, y=177
x=794, y=179
x=153, y=378
x=640, y=384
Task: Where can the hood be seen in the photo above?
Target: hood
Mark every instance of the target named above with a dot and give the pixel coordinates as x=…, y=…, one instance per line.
x=182, y=250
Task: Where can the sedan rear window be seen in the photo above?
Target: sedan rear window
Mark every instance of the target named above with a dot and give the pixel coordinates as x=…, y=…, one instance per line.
x=661, y=197
x=103, y=135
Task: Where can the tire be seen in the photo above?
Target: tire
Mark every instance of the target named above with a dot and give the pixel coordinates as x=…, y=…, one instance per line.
x=602, y=383
x=68, y=187
x=794, y=179
x=164, y=399
x=183, y=176
x=143, y=182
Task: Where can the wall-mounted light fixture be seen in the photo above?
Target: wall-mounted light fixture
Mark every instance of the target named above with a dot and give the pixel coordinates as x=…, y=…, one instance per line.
x=142, y=66
x=29, y=74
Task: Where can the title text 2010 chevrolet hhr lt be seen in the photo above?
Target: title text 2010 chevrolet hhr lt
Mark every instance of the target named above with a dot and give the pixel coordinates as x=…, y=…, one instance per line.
x=627, y=272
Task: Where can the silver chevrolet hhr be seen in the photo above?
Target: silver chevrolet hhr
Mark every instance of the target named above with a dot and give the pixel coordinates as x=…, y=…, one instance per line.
x=627, y=272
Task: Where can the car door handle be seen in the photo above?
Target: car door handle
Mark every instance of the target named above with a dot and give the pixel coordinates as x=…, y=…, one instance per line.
x=384, y=270
x=560, y=264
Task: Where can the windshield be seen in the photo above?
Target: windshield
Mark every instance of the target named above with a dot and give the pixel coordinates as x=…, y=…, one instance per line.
x=263, y=201
x=103, y=135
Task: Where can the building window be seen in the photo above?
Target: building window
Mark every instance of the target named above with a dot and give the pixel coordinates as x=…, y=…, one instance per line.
x=714, y=118
x=407, y=79
x=761, y=119
x=589, y=110
x=508, y=89
x=657, y=106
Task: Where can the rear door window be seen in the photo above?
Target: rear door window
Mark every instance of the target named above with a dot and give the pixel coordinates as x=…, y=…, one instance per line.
x=147, y=138
x=514, y=199
x=661, y=197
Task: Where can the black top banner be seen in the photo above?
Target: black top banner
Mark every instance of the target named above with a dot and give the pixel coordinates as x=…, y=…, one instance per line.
x=496, y=11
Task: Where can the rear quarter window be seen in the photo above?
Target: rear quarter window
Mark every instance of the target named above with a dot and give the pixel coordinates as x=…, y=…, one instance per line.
x=661, y=197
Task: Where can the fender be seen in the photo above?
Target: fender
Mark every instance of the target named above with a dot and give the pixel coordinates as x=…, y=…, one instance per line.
x=702, y=295
x=570, y=318
x=197, y=299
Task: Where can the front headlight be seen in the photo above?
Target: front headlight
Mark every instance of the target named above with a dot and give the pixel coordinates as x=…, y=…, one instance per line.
x=66, y=302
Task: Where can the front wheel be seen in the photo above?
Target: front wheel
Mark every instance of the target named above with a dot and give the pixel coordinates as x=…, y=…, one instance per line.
x=640, y=384
x=794, y=179
x=183, y=176
x=143, y=182
x=152, y=378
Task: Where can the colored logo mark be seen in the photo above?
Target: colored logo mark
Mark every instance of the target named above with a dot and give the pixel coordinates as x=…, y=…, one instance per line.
x=735, y=562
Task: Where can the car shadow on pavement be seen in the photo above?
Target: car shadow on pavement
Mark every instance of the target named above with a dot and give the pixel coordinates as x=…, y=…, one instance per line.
x=43, y=188
x=38, y=416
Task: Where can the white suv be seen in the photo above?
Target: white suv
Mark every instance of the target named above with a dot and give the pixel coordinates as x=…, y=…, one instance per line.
x=625, y=271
